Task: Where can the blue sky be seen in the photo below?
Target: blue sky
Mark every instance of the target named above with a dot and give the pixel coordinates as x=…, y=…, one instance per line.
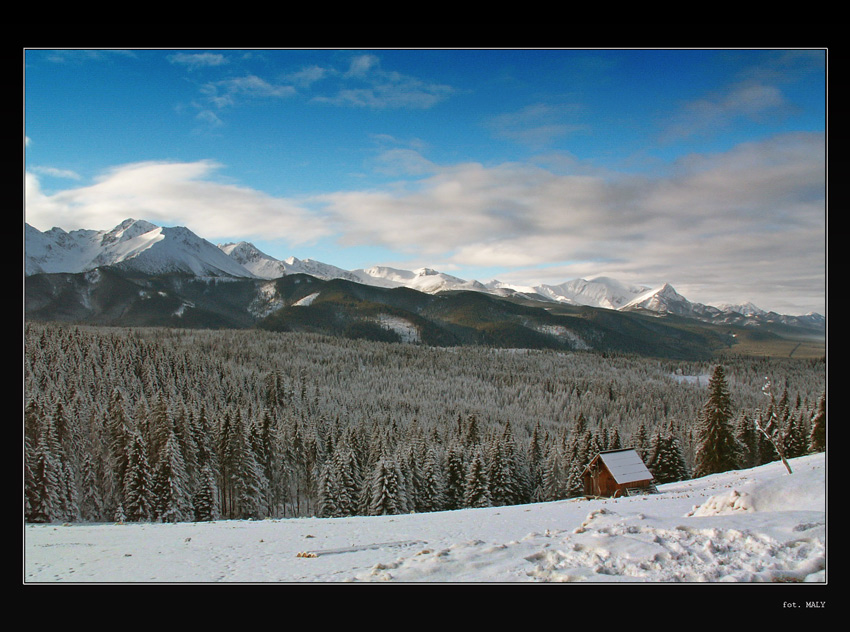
x=701, y=168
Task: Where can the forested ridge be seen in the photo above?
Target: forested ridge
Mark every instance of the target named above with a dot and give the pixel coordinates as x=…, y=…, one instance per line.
x=176, y=425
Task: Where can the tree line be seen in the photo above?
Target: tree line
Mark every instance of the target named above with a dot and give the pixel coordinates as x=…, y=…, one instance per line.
x=175, y=425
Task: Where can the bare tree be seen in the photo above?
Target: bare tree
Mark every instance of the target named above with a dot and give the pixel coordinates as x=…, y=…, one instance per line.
x=771, y=427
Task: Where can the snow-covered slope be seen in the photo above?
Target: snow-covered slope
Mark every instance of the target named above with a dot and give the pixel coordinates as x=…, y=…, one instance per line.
x=598, y=292
x=667, y=300
x=422, y=279
x=252, y=259
x=752, y=526
x=267, y=267
x=133, y=245
x=319, y=270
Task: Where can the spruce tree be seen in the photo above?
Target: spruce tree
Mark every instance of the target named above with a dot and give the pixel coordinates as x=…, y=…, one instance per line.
x=534, y=458
x=476, y=491
x=205, y=500
x=46, y=502
x=91, y=492
x=795, y=441
x=432, y=496
x=718, y=450
x=386, y=494
x=666, y=461
x=641, y=442
x=455, y=478
x=749, y=439
x=327, y=492
x=555, y=475
x=172, y=496
x=137, y=502
x=817, y=436
x=247, y=475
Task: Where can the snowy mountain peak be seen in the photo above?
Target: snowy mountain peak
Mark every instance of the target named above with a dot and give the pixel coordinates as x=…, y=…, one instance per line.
x=138, y=245
x=133, y=246
x=746, y=309
x=598, y=292
x=664, y=299
x=128, y=229
x=244, y=251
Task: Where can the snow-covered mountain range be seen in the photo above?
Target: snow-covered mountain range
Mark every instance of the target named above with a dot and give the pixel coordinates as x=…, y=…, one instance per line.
x=140, y=246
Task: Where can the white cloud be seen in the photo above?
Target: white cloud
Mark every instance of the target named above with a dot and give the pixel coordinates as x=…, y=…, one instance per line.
x=57, y=173
x=225, y=93
x=310, y=75
x=366, y=84
x=194, y=61
x=754, y=215
x=173, y=194
x=362, y=65
x=750, y=100
x=537, y=125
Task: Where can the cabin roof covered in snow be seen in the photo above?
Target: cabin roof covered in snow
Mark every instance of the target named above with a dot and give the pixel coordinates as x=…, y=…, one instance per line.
x=625, y=465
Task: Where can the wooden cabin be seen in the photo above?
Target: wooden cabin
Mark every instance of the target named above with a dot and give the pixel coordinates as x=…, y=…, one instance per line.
x=617, y=473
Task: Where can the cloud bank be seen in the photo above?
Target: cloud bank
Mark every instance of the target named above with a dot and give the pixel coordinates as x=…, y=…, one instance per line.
x=172, y=193
x=748, y=224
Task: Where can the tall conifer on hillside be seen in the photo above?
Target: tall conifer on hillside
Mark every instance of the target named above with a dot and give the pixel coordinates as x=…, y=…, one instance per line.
x=138, y=502
x=476, y=492
x=817, y=437
x=717, y=448
x=666, y=461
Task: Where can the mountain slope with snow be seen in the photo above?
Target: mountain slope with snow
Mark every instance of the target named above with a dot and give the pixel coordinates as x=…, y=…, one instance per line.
x=141, y=247
x=132, y=246
x=747, y=526
x=598, y=292
x=422, y=279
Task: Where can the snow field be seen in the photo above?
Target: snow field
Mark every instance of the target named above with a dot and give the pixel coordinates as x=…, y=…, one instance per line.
x=759, y=525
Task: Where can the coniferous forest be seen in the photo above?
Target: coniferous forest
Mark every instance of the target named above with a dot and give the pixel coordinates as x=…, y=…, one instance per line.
x=184, y=425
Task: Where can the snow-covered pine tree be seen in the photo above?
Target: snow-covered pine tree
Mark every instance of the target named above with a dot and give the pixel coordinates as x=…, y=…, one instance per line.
x=575, y=483
x=614, y=442
x=327, y=492
x=91, y=502
x=505, y=479
x=795, y=440
x=385, y=489
x=432, y=491
x=338, y=484
x=46, y=500
x=247, y=475
x=817, y=436
x=749, y=439
x=137, y=504
x=119, y=430
x=718, y=450
x=205, y=500
x=534, y=458
x=270, y=459
x=455, y=477
x=666, y=461
x=640, y=442
x=171, y=492
x=476, y=491
x=555, y=474
x=227, y=465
